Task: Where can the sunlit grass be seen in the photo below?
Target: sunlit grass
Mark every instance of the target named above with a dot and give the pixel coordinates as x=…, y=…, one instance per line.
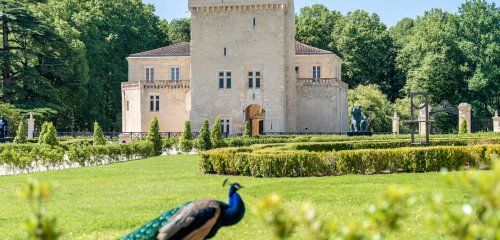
x=109, y=201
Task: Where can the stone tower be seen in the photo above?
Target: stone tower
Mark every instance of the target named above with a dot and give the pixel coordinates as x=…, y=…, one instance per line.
x=232, y=42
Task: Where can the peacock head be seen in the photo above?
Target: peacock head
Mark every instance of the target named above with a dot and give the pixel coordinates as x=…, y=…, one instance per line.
x=234, y=187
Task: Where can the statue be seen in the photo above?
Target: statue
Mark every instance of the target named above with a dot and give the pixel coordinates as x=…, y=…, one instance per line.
x=359, y=121
x=3, y=127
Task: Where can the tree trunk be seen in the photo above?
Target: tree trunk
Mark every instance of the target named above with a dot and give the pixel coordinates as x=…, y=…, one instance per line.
x=5, y=50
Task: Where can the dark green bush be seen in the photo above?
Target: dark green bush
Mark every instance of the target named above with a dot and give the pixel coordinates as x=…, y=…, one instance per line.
x=247, y=162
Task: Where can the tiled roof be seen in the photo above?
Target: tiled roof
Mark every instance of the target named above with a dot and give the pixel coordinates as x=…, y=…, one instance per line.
x=304, y=49
x=184, y=49
x=178, y=49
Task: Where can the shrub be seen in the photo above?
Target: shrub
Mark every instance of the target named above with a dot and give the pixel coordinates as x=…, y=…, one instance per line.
x=292, y=163
x=203, y=142
x=99, y=138
x=20, y=134
x=216, y=134
x=248, y=130
x=43, y=131
x=50, y=137
x=170, y=143
x=154, y=136
x=463, y=127
x=185, y=141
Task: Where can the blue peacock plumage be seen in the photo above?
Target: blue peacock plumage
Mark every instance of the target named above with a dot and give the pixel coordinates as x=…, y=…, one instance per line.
x=195, y=220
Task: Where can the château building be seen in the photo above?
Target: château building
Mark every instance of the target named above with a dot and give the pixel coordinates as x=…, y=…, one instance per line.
x=242, y=64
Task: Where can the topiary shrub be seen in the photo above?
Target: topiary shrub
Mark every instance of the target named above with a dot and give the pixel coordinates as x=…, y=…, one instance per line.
x=50, y=137
x=203, y=142
x=248, y=130
x=43, y=131
x=99, y=138
x=216, y=134
x=20, y=134
x=154, y=137
x=463, y=127
x=185, y=141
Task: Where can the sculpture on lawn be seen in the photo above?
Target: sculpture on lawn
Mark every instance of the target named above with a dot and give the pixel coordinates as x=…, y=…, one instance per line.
x=360, y=122
x=3, y=127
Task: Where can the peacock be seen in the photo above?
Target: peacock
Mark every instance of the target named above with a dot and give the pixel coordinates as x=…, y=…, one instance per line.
x=195, y=220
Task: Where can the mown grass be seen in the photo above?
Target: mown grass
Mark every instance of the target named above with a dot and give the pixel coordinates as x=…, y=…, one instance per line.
x=107, y=202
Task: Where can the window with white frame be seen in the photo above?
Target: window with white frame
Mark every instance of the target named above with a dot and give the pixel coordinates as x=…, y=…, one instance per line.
x=316, y=72
x=174, y=74
x=154, y=103
x=257, y=80
x=150, y=74
x=250, y=80
x=221, y=80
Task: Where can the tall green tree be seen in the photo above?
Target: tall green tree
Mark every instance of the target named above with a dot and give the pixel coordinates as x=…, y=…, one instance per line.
x=432, y=58
x=203, y=141
x=314, y=26
x=186, y=138
x=99, y=138
x=179, y=30
x=375, y=105
x=479, y=40
x=366, y=48
x=216, y=134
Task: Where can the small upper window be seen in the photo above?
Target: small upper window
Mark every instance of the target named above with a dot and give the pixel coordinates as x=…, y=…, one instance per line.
x=174, y=74
x=250, y=79
x=254, y=22
x=150, y=73
x=128, y=106
x=221, y=80
x=225, y=52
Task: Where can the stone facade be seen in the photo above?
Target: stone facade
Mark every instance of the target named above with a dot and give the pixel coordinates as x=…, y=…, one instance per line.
x=242, y=64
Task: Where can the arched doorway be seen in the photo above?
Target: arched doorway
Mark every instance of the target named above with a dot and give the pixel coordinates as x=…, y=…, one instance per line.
x=255, y=115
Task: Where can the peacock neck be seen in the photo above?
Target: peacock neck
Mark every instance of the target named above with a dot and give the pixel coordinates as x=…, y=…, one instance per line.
x=236, y=210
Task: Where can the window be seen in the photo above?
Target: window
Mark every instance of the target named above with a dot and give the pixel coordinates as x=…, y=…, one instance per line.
x=154, y=103
x=316, y=72
x=225, y=126
x=128, y=106
x=221, y=80
x=150, y=74
x=254, y=22
x=174, y=74
x=157, y=103
x=250, y=80
x=228, y=80
x=225, y=52
x=257, y=80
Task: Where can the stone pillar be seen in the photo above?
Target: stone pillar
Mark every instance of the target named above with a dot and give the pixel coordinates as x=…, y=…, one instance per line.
x=395, y=124
x=422, y=126
x=464, y=113
x=496, y=123
x=31, y=126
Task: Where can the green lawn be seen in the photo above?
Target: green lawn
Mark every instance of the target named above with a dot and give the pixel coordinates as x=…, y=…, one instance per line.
x=109, y=201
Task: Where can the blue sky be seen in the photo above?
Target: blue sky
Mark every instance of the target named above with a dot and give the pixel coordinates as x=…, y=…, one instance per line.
x=390, y=11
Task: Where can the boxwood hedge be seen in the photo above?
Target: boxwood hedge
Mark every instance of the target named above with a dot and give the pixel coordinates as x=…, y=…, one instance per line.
x=299, y=163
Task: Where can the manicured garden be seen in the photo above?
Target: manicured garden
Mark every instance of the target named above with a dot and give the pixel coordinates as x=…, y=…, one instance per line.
x=105, y=202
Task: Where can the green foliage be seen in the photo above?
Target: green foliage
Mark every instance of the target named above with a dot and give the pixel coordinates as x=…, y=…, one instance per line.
x=11, y=114
x=314, y=26
x=179, y=30
x=38, y=226
x=43, y=131
x=50, y=137
x=248, y=130
x=216, y=134
x=272, y=163
x=186, y=139
x=203, y=142
x=375, y=105
x=479, y=217
x=463, y=127
x=154, y=136
x=99, y=138
x=383, y=218
x=20, y=134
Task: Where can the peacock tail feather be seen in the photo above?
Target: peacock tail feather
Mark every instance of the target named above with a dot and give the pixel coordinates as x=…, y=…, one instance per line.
x=150, y=230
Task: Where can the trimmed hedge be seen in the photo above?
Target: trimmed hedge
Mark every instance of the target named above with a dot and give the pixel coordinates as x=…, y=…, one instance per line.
x=304, y=164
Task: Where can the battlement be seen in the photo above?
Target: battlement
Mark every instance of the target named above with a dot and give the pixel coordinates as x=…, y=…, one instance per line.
x=257, y=4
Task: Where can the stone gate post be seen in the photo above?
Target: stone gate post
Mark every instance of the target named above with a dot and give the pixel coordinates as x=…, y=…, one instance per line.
x=395, y=124
x=496, y=123
x=31, y=126
x=464, y=113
